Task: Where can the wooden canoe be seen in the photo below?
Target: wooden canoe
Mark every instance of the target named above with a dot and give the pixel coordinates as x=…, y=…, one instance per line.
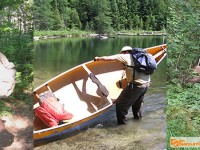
x=81, y=96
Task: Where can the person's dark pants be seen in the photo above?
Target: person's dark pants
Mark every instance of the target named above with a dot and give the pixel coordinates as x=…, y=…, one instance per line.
x=131, y=96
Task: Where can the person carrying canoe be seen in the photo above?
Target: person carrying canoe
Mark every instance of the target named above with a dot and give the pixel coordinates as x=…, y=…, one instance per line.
x=133, y=94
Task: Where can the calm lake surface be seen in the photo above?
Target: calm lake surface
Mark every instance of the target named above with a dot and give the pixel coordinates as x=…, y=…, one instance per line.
x=54, y=56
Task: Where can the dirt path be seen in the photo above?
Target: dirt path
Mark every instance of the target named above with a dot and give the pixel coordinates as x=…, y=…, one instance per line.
x=17, y=128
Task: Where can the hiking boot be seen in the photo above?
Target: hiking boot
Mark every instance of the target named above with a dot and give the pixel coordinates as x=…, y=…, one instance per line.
x=121, y=122
x=137, y=116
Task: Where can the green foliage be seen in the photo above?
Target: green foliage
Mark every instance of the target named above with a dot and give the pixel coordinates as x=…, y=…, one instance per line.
x=58, y=23
x=102, y=21
x=16, y=45
x=74, y=18
x=183, y=110
x=43, y=15
x=99, y=16
x=123, y=14
x=183, y=53
x=114, y=15
x=8, y=42
x=10, y=3
x=60, y=32
x=4, y=109
x=184, y=37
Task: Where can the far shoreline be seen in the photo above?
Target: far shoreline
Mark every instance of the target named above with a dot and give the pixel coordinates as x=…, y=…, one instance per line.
x=57, y=34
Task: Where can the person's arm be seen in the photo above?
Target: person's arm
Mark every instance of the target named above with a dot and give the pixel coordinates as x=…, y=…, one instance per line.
x=123, y=58
x=106, y=58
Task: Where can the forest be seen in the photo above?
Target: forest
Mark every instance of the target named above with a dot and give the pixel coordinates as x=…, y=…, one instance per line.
x=101, y=16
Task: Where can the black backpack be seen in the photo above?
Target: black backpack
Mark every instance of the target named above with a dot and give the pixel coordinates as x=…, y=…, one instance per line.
x=144, y=62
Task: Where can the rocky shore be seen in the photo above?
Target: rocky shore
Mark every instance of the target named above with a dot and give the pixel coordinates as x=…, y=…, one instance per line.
x=99, y=36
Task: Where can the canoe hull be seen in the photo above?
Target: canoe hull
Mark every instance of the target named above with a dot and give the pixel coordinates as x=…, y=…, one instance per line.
x=55, y=133
x=81, y=96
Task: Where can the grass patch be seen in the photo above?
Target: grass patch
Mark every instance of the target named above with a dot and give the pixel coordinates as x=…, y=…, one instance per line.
x=183, y=110
x=5, y=110
x=60, y=32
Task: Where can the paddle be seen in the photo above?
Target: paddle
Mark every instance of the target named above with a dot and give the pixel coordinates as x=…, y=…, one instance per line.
x=98, y=83
x=95, y=80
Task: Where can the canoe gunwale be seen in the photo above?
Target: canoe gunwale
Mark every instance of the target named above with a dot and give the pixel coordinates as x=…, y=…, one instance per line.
x=60, y=75
x=163, y=46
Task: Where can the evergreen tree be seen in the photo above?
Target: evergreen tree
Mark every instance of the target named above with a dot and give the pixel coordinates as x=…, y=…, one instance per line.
x=152, y=23
x=75, y=21
x=43, y=15
x=102, y=20
x=147, y=23
x=133, y=11
x=84, y=9
x=144, y=12
x=136, y=22
x=141, y=24
x=58, y=23
x=114, y=14
x=160, y=14
x=123, y=14
x=64, y=11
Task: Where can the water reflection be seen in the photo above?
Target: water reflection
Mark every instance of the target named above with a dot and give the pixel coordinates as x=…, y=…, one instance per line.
x=53, y=56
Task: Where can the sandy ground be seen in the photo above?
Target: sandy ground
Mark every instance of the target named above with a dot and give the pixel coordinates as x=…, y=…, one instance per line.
x=16, y=130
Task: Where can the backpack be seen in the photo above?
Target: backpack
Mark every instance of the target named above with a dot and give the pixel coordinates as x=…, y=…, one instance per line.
x=144, y=62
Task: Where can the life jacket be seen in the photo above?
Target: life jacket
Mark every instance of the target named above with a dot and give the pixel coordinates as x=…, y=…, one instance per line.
x=45, y=117
x=51, y=111
x=55, y=108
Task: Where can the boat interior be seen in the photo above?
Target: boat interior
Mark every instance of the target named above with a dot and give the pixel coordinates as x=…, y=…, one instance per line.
x=79, y=94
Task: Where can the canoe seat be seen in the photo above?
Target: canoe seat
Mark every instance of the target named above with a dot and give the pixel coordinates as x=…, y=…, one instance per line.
x=51, y=110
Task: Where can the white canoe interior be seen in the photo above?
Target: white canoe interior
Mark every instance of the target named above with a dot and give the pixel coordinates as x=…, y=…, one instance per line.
x=79, y=94
x=82, y=97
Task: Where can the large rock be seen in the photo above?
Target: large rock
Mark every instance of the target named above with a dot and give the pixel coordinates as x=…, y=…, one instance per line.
x=7, y=76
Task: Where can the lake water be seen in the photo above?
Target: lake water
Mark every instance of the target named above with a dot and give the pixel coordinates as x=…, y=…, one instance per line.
x=53, y=56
